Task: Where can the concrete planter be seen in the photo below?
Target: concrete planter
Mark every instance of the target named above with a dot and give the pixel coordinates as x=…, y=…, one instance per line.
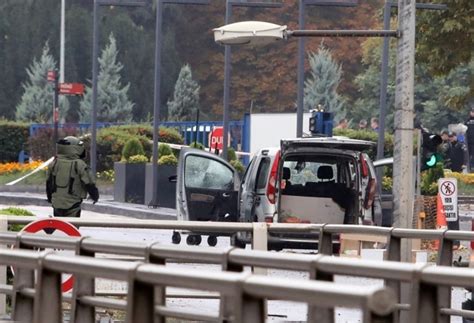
x=166, y=189
x=129, y=184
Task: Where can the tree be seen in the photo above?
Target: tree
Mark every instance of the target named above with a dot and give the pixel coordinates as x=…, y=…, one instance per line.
x=112, y=99
x=185, y=101
x=444, y=37
x=321, y=86
x=438, y=100
x=36, y=104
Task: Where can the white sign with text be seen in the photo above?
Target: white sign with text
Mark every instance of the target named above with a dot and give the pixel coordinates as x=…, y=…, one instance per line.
x=448, y=191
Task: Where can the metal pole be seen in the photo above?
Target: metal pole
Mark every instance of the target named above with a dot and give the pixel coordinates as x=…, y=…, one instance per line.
x=404, y=110
x=300, y=98
x=156, y=105
x=95, y=68
x=62, y=41
x=383, y=88
x=55, y=111
x=227, y=67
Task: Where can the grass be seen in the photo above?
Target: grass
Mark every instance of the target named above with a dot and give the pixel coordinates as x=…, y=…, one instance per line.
x=465, y=189
x=35, y=179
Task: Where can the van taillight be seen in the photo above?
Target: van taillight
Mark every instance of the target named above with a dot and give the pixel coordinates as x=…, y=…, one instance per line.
x=363, y=165
x=271, y=187
x=370, y=193
x=269, y=219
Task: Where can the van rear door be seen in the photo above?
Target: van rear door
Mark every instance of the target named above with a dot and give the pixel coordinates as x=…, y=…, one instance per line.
x=207, y=187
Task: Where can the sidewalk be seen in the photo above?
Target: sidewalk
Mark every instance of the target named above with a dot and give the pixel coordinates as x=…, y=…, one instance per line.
x=106, y=205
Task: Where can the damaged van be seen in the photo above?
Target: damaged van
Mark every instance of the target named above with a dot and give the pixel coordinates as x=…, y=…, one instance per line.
x=305, y=180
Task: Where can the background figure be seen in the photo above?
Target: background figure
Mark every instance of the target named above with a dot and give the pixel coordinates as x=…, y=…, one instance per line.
x=444, y=148
x=457, y=154
x=363, y=124
x=374, y=124
x=470, y=137
x=343, y=124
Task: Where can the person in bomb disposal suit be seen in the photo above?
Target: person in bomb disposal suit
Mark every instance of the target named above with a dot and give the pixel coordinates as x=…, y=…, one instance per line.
x=69, y=179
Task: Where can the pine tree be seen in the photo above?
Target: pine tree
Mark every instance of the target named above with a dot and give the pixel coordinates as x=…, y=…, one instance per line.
x=321, y=86
x=185, y=101
x=36, y=104
x=112, y=99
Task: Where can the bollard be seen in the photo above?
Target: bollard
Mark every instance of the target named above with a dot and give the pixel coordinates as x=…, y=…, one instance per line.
x=260, y=242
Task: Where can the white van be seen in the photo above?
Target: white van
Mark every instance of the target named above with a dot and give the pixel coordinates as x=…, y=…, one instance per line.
x=306, y=180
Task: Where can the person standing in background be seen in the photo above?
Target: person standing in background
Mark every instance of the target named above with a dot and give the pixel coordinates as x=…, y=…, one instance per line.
x=469, y=138
x=374, y=124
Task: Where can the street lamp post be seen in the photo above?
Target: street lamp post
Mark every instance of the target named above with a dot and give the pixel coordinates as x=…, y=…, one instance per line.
x=301, y=45
x=384, y=71
x=157, y=88
x=95, y=70
x=227, y=64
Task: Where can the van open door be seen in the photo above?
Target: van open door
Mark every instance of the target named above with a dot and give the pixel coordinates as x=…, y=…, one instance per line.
x=207, y=187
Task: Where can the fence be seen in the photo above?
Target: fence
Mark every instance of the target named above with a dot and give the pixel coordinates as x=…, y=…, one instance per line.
x=242, y=299
x=430, y=286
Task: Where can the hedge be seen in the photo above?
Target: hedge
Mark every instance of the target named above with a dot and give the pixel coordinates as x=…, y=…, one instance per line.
x=41, y=146
x=13, y=139
x=369, y=136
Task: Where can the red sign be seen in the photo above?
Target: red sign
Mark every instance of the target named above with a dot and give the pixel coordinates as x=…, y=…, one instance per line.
x=51, y=76
x=71, y=88
x=216, y=138
x=59, y=225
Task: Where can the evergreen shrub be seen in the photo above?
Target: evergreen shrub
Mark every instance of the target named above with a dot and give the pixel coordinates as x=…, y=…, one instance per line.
x=168, y=160
x=13, y=137
x=197, y=145
x=137, y=159
x=41, y=146
x=132, y=147
x=164, y=150
x=231, y=155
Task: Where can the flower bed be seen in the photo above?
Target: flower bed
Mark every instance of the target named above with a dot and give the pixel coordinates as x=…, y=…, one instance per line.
x=11, y=168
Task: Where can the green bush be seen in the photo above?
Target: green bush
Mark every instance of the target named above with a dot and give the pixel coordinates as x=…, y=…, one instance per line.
x=197, y=145
x=168, y=160
x=164, y=150
x=429, y=180
x=170, y=136
x=137, y=159
x=238, y=165
x=18, y=212
x=368, y=136
x=41, y=146
x=132, y=147
x=13, y=139
x=231, y=155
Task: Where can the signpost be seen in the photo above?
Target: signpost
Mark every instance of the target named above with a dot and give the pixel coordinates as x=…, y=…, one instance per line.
x=60, y=226
x=448, y=191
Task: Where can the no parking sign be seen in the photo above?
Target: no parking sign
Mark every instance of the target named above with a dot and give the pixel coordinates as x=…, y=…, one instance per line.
x=448, y=192
x=58, y=226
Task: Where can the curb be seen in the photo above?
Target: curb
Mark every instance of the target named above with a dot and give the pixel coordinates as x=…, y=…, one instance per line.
x=136, y=211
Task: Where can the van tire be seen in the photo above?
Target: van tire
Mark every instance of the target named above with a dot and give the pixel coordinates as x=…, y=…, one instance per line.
x=236, y=242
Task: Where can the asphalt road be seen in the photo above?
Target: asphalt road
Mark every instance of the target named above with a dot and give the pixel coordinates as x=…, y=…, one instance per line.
x=278, y=310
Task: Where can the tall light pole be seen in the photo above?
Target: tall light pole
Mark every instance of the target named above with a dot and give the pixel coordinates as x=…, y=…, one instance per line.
x=95, y=70
x=384, y=71
x=227, y=64
x=301, y=45
x=157, y=98
x=62, y=41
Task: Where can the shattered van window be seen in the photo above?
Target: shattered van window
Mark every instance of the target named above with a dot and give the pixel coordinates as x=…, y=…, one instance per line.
x=201, y=172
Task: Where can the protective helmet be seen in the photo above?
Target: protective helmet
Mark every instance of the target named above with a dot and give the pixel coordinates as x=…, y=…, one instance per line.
x=71, y=147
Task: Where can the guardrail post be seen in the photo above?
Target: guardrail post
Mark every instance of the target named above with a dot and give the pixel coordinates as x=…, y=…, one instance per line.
x=159, y=291
x=253, y=309
x=83, y=286
x=48, y=302
x=141, y=301
x=3, y=269
x=445, y=258
x=227, y=303
x=315, y=313
x=424, y=304
x=325, y=242
x=394, y=246
x=260, y=242
x=23, y=305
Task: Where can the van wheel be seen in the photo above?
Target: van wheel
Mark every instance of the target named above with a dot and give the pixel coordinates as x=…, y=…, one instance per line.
x=236, y=242
x=212, y=241
x=176, y=238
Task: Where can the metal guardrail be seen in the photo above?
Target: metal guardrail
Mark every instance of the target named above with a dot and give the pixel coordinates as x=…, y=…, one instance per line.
x=319, y=267
x=242, y=299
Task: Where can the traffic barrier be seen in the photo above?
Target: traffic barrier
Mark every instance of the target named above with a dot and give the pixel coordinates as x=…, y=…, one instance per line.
x=41, y=302
x=319, y=267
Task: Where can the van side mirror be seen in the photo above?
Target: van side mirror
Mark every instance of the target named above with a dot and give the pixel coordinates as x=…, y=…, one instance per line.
x=173, y=178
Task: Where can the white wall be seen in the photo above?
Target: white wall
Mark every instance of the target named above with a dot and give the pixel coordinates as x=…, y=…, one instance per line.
x=267, y=129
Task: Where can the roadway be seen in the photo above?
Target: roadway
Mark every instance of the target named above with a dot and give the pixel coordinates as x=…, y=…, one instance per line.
x=278, y=311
